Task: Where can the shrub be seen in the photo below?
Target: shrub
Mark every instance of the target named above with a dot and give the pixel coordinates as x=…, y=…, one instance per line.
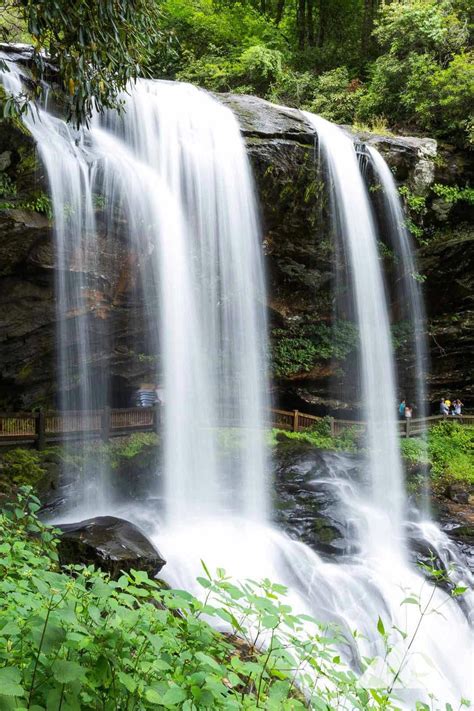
x=320, y=437
x=448, y=450
x=130, y=447
x=293, y=88
x=451, y=451
x=261, y=67
x=336, y=96
x=19, y=467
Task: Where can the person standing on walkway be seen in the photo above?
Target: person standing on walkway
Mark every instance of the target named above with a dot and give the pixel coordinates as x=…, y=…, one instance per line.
x=458, y=405
x=408, y=412
x=443, y=408
x=401, y=409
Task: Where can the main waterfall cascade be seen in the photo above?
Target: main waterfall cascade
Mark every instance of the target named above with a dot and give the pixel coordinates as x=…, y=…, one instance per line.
x=176, y=184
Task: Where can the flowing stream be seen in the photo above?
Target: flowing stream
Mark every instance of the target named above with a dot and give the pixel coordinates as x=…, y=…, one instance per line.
x=175, y=191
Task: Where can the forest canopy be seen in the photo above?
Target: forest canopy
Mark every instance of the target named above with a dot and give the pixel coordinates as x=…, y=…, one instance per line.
x=406, y=65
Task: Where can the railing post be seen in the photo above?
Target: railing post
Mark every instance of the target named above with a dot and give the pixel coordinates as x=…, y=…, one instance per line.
x=295, y=420
x=333, y=427
x=157, y=418
x=40, y=430
x=407, y=427
x=105, y=424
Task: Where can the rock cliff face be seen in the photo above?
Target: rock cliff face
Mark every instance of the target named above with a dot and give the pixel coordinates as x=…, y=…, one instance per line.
x=312, y=361
x=313, y=350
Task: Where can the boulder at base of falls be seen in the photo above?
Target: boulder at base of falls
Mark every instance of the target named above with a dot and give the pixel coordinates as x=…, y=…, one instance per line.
x=111, y=544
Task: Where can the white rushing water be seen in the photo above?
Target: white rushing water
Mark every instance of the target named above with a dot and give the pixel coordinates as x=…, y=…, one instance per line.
x=176, y=192
x=350, y=209
x=212, y=330
x=408, y=287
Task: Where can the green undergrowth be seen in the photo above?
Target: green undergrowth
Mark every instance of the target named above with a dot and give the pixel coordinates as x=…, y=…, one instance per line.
x=448, y=452
x=320, y=437
x=21, y=467
x=72, y=638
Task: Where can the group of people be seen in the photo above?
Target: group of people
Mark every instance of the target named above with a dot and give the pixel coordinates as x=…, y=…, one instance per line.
x=447, y=408
x=451, y=408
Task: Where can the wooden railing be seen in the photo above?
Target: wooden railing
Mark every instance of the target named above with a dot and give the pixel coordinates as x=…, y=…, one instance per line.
x=296, y=421
x=42, y=427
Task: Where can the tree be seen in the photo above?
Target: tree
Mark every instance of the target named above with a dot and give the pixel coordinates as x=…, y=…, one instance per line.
x=425, y=75
x=98, y=47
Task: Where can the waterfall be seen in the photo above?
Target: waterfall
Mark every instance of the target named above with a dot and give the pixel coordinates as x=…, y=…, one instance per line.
x=213, y=330
x=382, y=512
x=408, y=287
x=176, y=195
x=68, y=167
x=350, y=209
x=177, y=189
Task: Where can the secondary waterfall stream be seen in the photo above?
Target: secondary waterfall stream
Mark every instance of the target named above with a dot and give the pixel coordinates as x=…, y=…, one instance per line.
x=172, y=180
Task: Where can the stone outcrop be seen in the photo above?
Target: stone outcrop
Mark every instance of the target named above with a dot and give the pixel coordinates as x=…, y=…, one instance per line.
x=312, y=364
x=111, y=544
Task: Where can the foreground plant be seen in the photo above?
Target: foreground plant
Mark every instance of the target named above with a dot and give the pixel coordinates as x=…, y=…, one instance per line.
x=75, y=639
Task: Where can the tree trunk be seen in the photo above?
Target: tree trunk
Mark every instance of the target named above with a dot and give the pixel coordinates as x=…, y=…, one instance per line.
x=279, y=11
x=322, y=23
x=370, y=8
x=301, y=23
x=310, y=23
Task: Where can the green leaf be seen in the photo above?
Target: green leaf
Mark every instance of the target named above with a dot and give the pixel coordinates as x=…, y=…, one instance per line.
x=380, y=627
x=10, y=682
x=153, y=696
x=175, y=695
x=206, y=570
x=128, y=681
x=208, y=661
x=410, y=601
x=65, y=671
x=270, y=622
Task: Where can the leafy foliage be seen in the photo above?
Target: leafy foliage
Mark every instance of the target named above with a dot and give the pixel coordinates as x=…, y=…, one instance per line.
x=19, y=467
x=74, y=639
x=320, y=437
x=299, y=348
x=449, y=452
x=98, y=48
x=425, y=75
x=336, y=96
x=416, y=70
x=406, y=63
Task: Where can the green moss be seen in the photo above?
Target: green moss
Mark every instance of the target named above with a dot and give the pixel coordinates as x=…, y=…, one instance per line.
x=298, y=348
x=325, y=533
x=131, y=447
